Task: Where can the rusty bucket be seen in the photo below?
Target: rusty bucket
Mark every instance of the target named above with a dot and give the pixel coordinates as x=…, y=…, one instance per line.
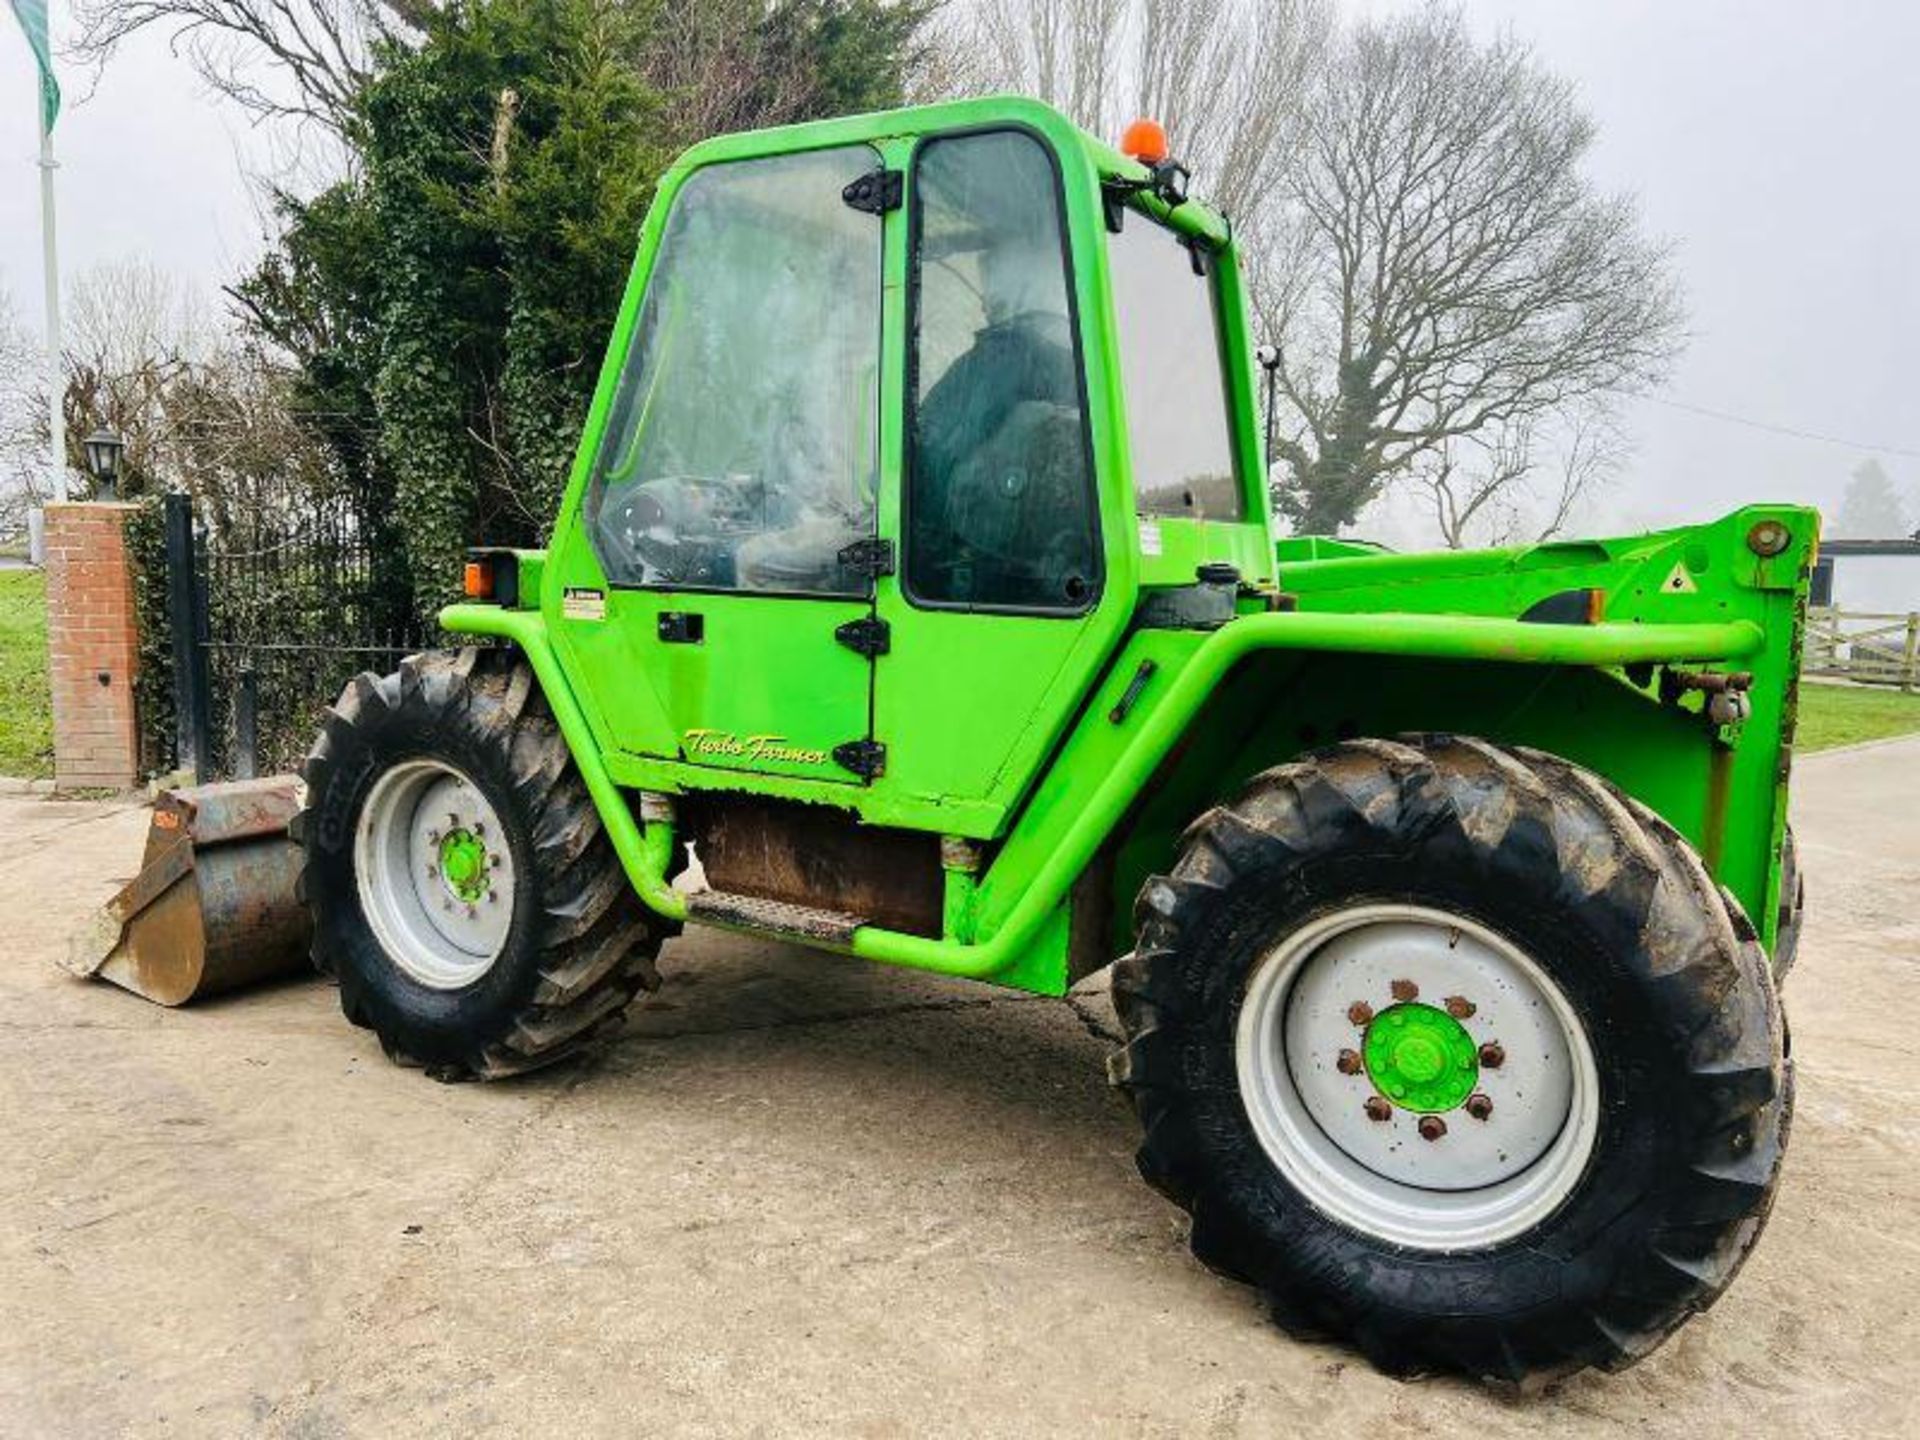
x=214, y=905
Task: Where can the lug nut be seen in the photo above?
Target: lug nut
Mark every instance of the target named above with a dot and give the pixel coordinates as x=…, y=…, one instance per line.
x=1348, y=1063
x=1432, y=1127
x=479, y=827
x=472, y=914
x=1377, y=1108
x=431, y=872
x=1492, y=1055
x=1404, y=990
x=453, y=820
x=493, y=897
x=493, y=862
x=447, y=905
x=1479, y=1105
x=1359, y=1012
x=433, y=837
x=1459, y=1007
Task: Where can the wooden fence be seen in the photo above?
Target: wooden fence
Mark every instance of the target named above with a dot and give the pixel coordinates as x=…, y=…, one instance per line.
x=1871, y=648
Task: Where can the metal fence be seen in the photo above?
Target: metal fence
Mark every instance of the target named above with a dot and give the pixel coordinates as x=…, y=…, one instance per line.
x=270, y=630
x=1873, y=648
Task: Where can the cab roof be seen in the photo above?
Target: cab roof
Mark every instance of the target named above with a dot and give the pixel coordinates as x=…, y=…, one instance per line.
x=1101, y=161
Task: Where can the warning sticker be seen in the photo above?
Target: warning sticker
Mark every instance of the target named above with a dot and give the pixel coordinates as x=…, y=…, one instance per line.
x=1149, y=537
x=1678, y=581
x=579, y=604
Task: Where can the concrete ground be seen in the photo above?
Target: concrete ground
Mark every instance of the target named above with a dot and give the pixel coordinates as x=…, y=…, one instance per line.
x=807, y=1196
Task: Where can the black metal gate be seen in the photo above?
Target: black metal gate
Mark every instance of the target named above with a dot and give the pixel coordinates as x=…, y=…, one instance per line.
x=266, y=633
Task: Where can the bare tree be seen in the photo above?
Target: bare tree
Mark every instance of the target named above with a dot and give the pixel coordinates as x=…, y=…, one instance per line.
x=1226, y=77
x=308, y=61
x=713, y=59
x=1517, y=481
x=1451, y=272
x=298, y=60
x=1441, y=280
x=236, y=444
x=200, y=410
x=131, y=335
x=23, y=420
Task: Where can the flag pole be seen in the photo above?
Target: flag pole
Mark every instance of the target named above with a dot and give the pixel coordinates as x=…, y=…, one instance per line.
x=50, y=269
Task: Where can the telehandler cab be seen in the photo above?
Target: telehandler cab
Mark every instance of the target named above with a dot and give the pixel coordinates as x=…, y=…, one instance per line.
x=916, y=575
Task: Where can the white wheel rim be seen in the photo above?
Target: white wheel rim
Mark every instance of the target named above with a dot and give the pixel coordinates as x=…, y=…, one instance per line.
x=443, y=924
x=1484, y=1180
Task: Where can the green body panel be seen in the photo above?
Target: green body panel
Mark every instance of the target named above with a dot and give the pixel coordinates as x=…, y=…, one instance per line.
x=762, y=692
x=1079, y=746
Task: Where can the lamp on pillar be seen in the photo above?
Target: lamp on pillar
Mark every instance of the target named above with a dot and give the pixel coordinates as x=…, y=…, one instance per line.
x=103, y=448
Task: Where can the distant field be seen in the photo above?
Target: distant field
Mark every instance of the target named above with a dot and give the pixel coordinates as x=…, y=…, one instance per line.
x=1833, y=715
x=26, y=717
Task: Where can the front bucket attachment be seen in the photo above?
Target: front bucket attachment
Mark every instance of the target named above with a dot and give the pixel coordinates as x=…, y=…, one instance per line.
x=213, y=906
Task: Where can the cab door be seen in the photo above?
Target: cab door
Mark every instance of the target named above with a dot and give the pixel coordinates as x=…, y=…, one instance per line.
x=732, y=502
x=1005, y=605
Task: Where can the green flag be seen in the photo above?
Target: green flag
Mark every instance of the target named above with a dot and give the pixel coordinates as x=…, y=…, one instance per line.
x=32, y=15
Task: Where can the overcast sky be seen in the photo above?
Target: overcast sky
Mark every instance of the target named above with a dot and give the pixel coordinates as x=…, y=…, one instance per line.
x=1777, y=145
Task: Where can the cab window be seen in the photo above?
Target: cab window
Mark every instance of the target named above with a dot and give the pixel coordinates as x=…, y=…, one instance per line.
x=741, y=451
x=1179, y=426
x=999, y=495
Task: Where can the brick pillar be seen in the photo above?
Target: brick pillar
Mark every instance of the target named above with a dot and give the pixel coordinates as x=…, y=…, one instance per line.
x=93, y=647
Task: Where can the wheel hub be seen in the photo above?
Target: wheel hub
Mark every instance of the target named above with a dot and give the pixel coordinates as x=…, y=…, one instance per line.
x=1459, y=1112
x=435, y=873
x=1420, y=1058
x=463, y=866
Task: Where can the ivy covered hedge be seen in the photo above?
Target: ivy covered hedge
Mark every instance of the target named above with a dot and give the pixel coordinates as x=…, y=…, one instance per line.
x=146, y=533
x=448, y=303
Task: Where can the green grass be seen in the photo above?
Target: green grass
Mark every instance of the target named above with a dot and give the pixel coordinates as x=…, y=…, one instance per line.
x=1833, y=715
x=26, y=710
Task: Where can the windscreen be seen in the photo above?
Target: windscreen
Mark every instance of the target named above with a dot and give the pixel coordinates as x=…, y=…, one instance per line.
x=741, y=451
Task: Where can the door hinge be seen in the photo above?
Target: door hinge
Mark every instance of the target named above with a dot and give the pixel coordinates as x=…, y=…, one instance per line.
x=865, y=758
x=869, y=635
x=876, y=192
x=871, y=556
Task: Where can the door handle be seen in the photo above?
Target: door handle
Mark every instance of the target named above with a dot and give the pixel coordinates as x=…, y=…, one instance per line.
x=682, y=627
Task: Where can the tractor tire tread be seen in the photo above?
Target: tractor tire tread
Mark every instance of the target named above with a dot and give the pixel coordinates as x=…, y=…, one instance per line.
x=596, y=941
x=1502, y=810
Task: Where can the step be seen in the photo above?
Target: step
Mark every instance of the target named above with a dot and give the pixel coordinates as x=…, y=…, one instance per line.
x=773, y=917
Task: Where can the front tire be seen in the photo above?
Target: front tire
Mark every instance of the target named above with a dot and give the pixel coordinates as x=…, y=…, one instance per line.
x=1570, y=1137
x=463, y=890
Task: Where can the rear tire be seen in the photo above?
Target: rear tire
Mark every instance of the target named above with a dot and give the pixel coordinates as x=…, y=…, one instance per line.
x=506, y=950
x=1598, y=934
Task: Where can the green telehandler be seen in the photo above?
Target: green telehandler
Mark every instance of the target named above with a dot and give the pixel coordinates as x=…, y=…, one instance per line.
x=914, y=597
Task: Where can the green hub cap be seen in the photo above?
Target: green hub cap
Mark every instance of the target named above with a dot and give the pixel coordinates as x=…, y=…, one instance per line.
x=463, y=866
x=1420, y=1058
